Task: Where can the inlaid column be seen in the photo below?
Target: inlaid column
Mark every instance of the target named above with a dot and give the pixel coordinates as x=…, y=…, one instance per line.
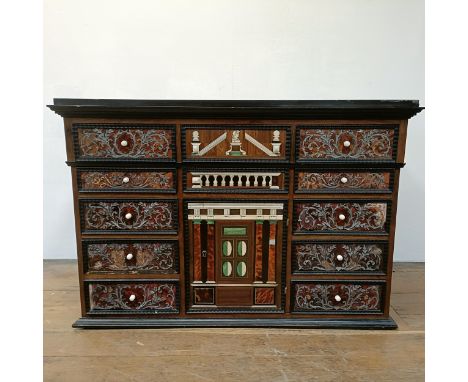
x=258, y=251
x=210, y=275
x=272, y=253
x=197, y=271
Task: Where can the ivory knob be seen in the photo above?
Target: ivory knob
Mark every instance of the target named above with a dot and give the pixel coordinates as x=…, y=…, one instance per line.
x=344, y=179
x=128, y=216
x=132, y=297
x=339, y=257
x=337, y=298
x=126, y=179
x=346, y=143
x=341, y=217
x=130, y=256
x=124, y=143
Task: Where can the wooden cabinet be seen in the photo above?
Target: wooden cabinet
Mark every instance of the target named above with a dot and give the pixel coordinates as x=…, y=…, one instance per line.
x=235, y=213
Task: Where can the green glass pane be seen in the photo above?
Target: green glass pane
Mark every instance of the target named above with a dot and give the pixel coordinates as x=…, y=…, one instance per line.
x=235, y=231
x=241, y=248
x=227, y=269
x=241, y=269
x=227, y=248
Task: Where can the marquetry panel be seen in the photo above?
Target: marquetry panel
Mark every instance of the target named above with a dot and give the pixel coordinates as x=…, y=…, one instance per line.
x=339, y=297
x=235, y=142
x=123, y=142
x=355, y=143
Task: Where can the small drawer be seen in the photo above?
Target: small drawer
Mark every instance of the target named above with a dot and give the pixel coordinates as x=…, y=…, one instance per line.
x=104, y=180
x=310, y=257
x=134, y=216
x=341, y=217
x=337, y=297
x=347, y=143
x=131, y=257
x=236, y=180
x=132, y=297
x=344, y=181
x=124, y=142
x=236, y=143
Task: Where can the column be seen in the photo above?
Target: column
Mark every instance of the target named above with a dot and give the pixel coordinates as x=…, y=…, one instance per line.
x=210, y=275
x=272, y=253
x=197, y=273
x=258, y=250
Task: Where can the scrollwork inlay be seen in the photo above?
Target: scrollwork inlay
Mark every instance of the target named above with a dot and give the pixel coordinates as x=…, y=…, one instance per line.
x=322, y=297
x=333, y=180
x=101, y=180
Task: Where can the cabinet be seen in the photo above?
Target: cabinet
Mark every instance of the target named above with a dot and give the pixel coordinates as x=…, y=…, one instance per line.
x=235, y=213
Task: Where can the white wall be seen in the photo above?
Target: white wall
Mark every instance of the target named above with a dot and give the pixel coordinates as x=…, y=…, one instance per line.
x=214, y=49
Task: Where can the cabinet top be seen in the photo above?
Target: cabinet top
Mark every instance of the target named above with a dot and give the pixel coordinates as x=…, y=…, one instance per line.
x=265, y=109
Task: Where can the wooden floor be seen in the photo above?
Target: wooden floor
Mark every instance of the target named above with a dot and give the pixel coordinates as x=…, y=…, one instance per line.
x=231, y=354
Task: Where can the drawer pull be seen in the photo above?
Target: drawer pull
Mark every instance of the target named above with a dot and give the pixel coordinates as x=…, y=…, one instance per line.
x=337, y=298
x=341, y=217
x=132, y=297
x=128, y=216
x=130, y=256
x=126, y=179
x=346, y=143
x=124, y=143
x=344, y=180
x=339, y=257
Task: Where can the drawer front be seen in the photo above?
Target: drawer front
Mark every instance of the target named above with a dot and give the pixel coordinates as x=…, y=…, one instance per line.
x=236, y=143
x=128, y=216
x=126, y=181
x=123, y=142
x=237, y=180
x=133, y=297
x=318, y=257
x=131, y=257
x=366, y=143
x=338, y=297
x=344, y=181
x=341, y=217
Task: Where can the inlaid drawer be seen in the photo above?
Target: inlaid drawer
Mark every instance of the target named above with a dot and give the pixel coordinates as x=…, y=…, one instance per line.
x=341, y=217
x=124, y=142
x=344, y=181
x=326, y=297
x=347, y=143
x=236, y=143
x=236, y=180
x=132, y=297
x=311, y=257
x=102, y=257
x=105, y=180
x=136, y=216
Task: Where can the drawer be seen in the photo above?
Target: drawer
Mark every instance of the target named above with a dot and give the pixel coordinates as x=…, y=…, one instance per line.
x=338, y=297
x=309, y=257
x=236, y=143
x=128, y=216
x=124, y=142
x=132, y=297
x=102, y=257
x=347, y=143
x=237, y=180
x=341, y=217
x=105, y=180
x=344, y=181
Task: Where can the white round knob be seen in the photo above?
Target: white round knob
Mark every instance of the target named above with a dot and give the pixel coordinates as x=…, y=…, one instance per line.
x=128, y=216
x=337, y=298
x=346, y=143
x=344, y=179
x=339, y=257
x=130, y=256
x=132, y=297
x=126, y=179
x=123, y=143
x=341, y=217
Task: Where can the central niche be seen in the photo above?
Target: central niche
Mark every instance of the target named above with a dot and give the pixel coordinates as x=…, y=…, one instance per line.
x=234, y=254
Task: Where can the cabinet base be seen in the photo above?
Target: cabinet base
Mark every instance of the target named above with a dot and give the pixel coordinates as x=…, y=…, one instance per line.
x=298, y=323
